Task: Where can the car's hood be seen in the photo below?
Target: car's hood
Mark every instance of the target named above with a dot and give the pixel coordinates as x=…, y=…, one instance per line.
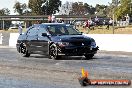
x=70, y=38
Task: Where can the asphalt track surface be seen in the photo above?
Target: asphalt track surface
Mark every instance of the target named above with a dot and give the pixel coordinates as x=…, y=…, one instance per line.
x=38, y=71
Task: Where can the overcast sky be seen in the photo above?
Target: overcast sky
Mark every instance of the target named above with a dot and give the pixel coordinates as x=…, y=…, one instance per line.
x=9, y=3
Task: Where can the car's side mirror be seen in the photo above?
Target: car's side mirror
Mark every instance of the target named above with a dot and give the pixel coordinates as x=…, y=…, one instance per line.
x=81, y=33
x=44, y=34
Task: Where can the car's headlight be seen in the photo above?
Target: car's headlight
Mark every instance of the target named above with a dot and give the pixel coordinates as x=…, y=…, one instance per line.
x=93, y=44
x=62, y=44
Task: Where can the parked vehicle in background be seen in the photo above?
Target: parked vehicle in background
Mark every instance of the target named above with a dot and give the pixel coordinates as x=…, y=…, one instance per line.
x=12, y=28
x=55, y=40
x=15, y=26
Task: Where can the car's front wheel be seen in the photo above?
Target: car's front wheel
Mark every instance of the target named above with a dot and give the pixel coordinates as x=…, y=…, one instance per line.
x=23, y=50
x=53, y=52
x=90, y=56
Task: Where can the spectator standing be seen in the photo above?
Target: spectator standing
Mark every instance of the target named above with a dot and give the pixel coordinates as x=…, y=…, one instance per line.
x=53, y=19
x=127, y=20
x=49, y=19
x=87, y=24
x=20, y=29
x=96, y=20
x=110, y=23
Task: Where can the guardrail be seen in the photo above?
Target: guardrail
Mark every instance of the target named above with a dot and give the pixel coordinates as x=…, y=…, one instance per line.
x=44, y=16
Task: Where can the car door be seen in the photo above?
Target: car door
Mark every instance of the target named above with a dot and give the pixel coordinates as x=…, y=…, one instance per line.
x=43, y=41
x=32, y=39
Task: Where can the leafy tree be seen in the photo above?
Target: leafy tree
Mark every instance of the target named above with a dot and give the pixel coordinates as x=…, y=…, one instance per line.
x=89, y=9
x=74, y=9
x=4, y=11
x=20, y=8
x=123, y=8
x=101, y=9
x=52, y=6
x=35, y=6
x=115, y=2
x=65, y=8
x=78, y=8
x=44, y=7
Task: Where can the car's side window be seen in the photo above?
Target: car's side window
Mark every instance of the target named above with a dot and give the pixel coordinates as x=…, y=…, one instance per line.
x=62, y=30
x=32, y=32
x=41, y=30
x=51, y=30
x=71, y=30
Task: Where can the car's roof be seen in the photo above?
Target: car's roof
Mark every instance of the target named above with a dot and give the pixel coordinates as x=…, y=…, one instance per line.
x=54, y=23
x=49, y=24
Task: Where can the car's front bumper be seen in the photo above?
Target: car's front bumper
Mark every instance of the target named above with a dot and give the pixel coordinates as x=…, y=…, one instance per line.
x=77, y=51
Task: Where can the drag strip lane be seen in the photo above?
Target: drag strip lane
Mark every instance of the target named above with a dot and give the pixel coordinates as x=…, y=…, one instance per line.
x=63, y=73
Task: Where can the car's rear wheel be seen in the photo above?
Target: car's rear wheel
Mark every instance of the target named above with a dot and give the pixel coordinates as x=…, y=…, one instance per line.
x=53, y=52
x=90, y=56
x=23, y=50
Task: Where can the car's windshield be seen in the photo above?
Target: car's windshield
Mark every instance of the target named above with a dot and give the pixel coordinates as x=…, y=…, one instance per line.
x=62, y=30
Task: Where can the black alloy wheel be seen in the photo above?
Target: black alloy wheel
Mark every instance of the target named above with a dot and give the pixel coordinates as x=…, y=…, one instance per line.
x=23, y=50
x=53, y=52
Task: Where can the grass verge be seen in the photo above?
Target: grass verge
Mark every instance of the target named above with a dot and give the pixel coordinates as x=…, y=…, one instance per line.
x=97, y=30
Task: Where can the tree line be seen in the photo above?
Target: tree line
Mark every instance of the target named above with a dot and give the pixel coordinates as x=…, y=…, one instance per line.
x=47, y=7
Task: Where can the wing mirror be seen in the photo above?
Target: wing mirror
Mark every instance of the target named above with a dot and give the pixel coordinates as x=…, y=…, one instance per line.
x=44, y=34
x=81, y=33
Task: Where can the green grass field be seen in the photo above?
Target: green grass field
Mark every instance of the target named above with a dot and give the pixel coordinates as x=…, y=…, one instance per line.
x=104, y=30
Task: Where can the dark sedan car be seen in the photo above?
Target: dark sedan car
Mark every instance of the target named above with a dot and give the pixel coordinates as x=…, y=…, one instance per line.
x=55, y=40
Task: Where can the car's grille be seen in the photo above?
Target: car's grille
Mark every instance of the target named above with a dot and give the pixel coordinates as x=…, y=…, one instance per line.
x=78, y=50
x=81, y=43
